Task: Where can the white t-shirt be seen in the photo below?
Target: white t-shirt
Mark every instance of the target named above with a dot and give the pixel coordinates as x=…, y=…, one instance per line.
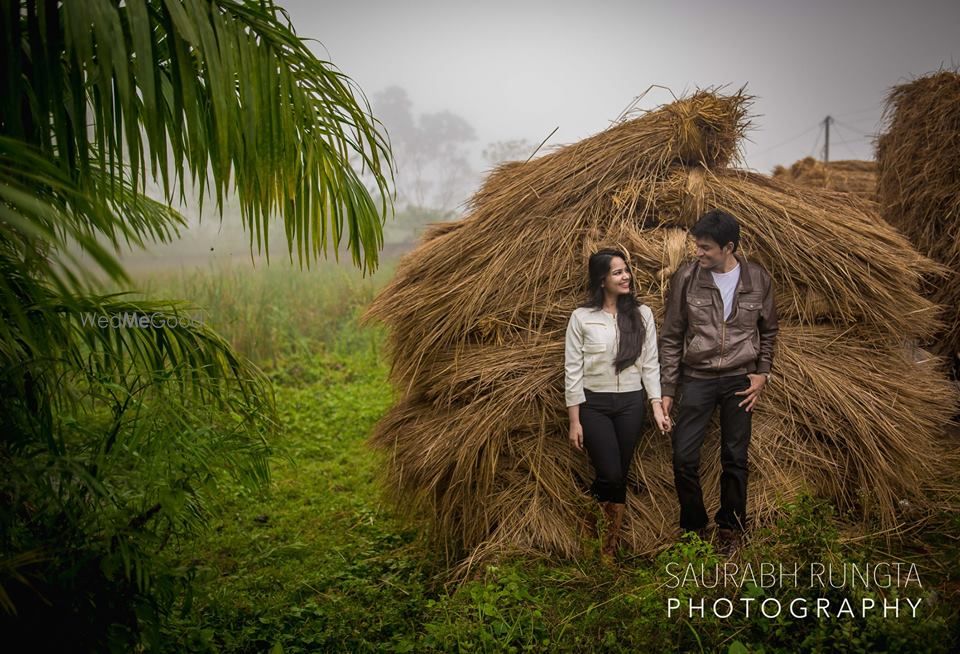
x=727, y=283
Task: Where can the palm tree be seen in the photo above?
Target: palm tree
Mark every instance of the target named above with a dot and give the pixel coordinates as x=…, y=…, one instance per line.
x=98, y=98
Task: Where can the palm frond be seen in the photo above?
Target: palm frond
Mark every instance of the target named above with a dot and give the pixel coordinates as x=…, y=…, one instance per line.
x=220, y=92
x=110, y=337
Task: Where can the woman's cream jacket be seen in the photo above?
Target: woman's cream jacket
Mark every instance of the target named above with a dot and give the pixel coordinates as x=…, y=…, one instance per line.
x=591, y=346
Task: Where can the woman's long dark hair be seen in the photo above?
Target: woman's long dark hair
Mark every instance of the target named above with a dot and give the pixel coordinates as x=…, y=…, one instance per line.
x=628, y=307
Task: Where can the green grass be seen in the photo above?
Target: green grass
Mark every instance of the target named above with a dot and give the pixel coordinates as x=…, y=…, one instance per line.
x=268, y=313
x=321, y=563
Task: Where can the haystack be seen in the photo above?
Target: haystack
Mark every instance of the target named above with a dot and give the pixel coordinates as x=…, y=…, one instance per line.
x=919, y=183
x=847, y=176
x=477, y=443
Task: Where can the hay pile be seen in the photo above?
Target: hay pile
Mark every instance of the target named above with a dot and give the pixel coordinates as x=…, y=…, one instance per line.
x=919, y=183
x=477, y=443
x=849, y=176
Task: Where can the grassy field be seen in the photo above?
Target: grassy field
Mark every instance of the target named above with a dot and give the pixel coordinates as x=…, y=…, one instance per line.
x=319, y=562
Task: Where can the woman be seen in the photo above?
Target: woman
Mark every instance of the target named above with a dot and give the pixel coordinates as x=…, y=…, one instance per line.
x=610, y=366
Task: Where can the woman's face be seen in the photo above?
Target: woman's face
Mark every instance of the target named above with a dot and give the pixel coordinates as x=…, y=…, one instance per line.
x=617, y=281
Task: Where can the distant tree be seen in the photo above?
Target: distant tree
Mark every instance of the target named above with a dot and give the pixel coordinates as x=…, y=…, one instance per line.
x=512, y=150
x=433, y=168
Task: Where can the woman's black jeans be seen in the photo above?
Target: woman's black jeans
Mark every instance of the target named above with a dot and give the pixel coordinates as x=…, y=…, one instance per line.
x=612, y=423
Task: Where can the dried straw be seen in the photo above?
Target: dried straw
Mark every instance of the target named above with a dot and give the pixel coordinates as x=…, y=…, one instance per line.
x=477, y=445
x=849, y=176
x=919, y=183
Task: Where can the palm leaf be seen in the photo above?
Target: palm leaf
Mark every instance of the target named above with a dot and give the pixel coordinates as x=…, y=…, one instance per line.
x=219, y=92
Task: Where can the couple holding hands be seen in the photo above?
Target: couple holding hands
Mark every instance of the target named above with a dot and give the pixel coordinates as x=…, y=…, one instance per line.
x=716, y=348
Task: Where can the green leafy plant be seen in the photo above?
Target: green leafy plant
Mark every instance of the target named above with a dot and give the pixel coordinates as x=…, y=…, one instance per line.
x=120, y=419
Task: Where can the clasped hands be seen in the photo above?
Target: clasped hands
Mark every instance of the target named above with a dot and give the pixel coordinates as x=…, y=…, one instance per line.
x=660, y=416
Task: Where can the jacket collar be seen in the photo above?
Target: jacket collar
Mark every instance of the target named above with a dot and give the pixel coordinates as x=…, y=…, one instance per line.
x=704, y=278
x=600, y=309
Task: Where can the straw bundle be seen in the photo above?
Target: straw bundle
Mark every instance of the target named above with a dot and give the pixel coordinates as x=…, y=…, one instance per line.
x=919, y=182
x=850, y=176
x=477, y=443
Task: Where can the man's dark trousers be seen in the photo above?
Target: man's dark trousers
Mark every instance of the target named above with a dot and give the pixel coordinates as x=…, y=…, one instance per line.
x=696, y=402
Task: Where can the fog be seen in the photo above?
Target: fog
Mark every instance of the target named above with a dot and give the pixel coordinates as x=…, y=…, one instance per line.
x=518, y=71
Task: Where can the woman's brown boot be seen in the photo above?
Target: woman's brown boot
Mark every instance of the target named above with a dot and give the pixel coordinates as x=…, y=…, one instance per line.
x=613, y=512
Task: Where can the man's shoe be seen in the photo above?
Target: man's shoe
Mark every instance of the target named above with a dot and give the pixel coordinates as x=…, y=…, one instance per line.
x=730, y=541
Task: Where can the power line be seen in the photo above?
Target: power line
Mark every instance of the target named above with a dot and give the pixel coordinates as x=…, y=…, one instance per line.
x=824, y=133
x=789, y=140
x=815, y=143
x=846, y=143
x=853, y=129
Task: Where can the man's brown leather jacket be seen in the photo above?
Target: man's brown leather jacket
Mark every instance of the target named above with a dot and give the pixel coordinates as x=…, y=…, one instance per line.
x=695, y=340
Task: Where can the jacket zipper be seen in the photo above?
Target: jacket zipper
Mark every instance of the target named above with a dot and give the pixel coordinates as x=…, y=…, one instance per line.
x=723, y=332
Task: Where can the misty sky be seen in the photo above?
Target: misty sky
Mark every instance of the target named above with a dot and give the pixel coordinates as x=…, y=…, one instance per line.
x=518, y=69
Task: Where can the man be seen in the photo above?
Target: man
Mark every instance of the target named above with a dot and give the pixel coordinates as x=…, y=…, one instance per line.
x=716, y=348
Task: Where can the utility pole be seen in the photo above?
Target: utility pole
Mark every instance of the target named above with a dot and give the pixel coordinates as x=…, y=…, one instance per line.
x=826, y=141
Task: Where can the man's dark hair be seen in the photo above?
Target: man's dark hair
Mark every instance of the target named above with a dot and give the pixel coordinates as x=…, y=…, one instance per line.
x=719, y=226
